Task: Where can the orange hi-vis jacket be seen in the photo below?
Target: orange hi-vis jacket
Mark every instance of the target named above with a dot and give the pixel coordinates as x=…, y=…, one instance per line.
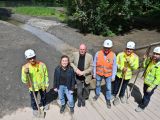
x=104, y=67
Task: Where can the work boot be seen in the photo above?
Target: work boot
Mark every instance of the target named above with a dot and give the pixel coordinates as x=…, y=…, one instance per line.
x=62, y=108
x=35, y=113
x=123, y=100
x=108, y=104
x=139, y=109
x=46, y=107
x=95, y=97
x=83, y=104
x=79, y=103
x=72, y=110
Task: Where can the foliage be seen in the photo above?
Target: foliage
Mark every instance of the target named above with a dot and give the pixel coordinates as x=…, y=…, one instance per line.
x=109, y=17
x=13, y=3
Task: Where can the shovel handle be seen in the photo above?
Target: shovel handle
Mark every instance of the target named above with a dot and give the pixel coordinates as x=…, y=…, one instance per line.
x=33, y=91
x=120, y=87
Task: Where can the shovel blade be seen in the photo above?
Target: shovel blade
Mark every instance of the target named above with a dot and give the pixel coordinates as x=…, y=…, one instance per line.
x=116, y=101
x=41, y=114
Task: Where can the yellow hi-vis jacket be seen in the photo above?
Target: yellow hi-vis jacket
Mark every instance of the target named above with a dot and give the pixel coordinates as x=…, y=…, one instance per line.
x=131, y=62
x=39, y=75
x=152, y=74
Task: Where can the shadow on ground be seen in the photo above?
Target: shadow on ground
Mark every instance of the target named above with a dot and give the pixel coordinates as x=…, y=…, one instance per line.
x=5, y=14
x=136, y=94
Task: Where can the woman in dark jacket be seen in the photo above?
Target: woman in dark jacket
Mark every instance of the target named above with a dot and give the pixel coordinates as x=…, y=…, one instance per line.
x=64, y=82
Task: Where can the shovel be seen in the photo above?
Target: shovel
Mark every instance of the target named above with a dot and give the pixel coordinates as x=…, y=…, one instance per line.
x=116, y=99
x=129, y=94
x=41, y=113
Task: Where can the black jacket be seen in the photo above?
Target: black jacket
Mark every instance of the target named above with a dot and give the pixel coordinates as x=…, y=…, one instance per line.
x=70, y=78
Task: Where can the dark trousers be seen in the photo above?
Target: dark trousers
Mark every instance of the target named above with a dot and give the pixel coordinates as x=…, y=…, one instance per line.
x=117, y=83
x=80, y=86
x=146, y=96
x=43, y=98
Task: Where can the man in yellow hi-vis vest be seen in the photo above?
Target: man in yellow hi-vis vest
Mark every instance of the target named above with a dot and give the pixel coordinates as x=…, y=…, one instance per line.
x=127, y=61
x=39, y=76
x=151, y=78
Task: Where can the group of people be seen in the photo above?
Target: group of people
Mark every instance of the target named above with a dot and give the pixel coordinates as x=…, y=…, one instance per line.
x=79, y=69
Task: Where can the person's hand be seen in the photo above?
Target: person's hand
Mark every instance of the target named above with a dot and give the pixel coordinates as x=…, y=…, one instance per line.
x=26, y=70
x=124, y=69
x=70, y=91
x=149, y=90
x=55, y=89
x=113, y=79
x=144, y=56
x=29, y=85
x=77, y=71
x=80, y=73
x=46, y=87
x=94, y=76
x=127, y=59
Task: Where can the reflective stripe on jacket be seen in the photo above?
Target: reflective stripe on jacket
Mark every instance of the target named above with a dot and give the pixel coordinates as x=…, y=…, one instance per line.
x=152, y=75
x=39, y=75
x=131, y=62
x=104, y=67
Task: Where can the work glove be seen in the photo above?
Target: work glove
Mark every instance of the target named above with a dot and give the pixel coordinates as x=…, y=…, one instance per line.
x=29, y=85
x=124, y=69
x=113, y=79
x=70, y=91
x=55, y=89
x=149, y=90
x=26, y=70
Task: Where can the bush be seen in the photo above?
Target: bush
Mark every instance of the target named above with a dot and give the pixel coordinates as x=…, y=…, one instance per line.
x=109, y=17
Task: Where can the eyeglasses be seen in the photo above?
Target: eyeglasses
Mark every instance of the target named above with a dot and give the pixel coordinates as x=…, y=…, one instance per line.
x=105, y=48
x=32, y=58
x=129, y=49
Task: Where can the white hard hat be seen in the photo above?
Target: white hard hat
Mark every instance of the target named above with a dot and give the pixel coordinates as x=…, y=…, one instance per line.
x=156, y=50
x=131, y=45
x=107, y=43
x=29, y=53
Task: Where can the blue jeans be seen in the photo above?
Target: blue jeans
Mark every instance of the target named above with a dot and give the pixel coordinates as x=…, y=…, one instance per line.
x=108, y=86
x=64, y=90
x=43, y=98
x=146, y=96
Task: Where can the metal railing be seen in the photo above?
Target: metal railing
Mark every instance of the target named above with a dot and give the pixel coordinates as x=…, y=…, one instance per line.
x=146, y=46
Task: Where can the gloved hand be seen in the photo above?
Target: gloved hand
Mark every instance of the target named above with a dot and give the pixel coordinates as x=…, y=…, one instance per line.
x=29, y=85
x=70, y=91
x=128, y=59
x=113, y=79
x=55, y=89
x=26, y=70
x=124, y=69
x=149, y=89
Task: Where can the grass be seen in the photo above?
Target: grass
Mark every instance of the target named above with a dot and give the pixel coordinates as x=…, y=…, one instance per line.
x=40, y=11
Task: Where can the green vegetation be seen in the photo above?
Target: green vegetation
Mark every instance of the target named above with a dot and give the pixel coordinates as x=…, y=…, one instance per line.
x=40, y=11
x=101, y=17
x=110, y=17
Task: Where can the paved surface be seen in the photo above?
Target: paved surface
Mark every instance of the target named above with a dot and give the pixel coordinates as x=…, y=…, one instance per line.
x=97, y=110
